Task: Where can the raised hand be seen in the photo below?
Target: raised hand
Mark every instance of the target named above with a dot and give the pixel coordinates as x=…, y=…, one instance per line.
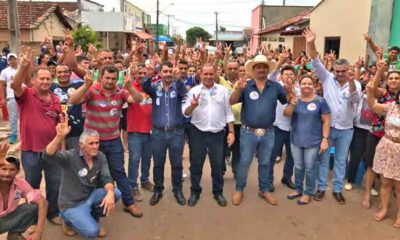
x=331, y=56
x=367, y=37
x=241, y=83
x=89, y=78
x=92, y=49
x=379, y=53
x=227, y=48
x=62, y=127
x=309, y=35
x=127, y=81
x=25, y=56
x=4, y=146
x=293, y=99
x=359, y=63
x=68, y=40
x=195, y=100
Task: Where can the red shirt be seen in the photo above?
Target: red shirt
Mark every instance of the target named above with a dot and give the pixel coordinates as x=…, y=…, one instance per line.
x=103, y=113
x=139, y=114
x=38, y=120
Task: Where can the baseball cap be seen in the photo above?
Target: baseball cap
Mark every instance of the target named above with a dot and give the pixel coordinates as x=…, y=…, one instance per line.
x=12, y=55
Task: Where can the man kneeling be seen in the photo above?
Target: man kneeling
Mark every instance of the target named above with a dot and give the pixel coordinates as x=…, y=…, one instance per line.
x=16, y=218
x=81, y=203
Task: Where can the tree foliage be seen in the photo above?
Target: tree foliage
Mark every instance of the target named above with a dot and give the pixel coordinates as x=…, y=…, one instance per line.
x=196, y=32
x=85, y=35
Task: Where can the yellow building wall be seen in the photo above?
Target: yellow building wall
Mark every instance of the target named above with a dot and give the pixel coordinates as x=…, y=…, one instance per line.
x=345, y=19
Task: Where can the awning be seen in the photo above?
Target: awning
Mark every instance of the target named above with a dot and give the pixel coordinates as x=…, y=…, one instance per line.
x=142, y=35
x=162, y=38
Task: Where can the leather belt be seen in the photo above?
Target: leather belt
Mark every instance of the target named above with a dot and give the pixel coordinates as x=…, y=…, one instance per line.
x=393, y=139
x=168, y=129
x=259, y=132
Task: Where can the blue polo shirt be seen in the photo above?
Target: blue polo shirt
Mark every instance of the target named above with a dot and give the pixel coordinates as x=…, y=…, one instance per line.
x=258, y=109
x=167, y=106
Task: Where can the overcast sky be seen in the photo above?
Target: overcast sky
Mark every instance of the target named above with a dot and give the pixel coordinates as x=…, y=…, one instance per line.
x=233, y=14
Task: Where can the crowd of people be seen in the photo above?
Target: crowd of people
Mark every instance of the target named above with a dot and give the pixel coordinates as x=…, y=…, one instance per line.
x=78, y=113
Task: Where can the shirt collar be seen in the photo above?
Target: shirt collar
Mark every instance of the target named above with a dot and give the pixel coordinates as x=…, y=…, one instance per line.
x=102, y=91
x=204, y=87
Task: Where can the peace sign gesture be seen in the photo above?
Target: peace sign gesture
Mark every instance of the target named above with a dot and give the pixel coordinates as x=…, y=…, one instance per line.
x=25, y=56
x=89, y=78
x=62, y=127
x=241, y=83
x=195, y=100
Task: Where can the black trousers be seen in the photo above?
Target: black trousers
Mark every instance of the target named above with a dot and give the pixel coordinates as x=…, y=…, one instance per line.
x=201, y=143
x=357, y=152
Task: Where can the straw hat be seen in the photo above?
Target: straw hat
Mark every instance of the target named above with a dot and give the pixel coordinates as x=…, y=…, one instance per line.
x=257, y=60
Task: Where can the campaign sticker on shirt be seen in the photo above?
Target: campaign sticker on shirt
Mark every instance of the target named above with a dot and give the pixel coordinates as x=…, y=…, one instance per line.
x=311, y=107
x=114, y=103
x=83, y=172
x=114, y=112
x=57, y=91
x=71, y=90
x=254, y=95
x=159, y=94
x=158, y=101
x=102, y=104
x=173, y=94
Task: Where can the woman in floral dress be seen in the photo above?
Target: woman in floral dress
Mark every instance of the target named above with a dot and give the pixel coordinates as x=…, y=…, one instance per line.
x=387, y=155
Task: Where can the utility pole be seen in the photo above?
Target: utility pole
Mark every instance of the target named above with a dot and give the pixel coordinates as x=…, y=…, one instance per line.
x=216, y=28
x=157, y=33
x=13, y=25
x=284, y=2
x=168, y=22
x=261, y=21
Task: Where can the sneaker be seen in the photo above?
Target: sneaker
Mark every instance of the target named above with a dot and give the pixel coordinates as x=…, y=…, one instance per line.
x=348, y=186
x=148, y=186
x=136, y=195
x=374, y=193
x=13, y=139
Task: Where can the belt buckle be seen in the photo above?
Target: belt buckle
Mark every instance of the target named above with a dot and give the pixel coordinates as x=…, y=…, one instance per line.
x=259, y=132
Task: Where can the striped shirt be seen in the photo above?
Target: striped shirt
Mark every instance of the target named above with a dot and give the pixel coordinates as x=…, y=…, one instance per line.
x=103, y=112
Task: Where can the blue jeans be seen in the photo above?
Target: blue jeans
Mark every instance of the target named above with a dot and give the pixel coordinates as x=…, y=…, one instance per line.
x=12, y=109
x=281, y=137
x=304, y=162
x=33, y=166
x=249, y=145
x=115, y=157
x=203, y=143
x=139, y=145
x=341, y=139
x=173, y=142
x=84, y=218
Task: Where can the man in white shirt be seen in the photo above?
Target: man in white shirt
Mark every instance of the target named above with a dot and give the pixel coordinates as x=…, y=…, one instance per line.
x=208, y=105
x=7, y=94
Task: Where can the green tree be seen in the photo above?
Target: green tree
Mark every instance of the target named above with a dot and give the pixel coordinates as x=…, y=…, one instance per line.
x=85, y=35
x=196, y=32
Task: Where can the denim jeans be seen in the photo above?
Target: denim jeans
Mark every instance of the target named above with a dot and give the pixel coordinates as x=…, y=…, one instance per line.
x=139, y=145
x=173, y=142
x=33, y=166
x=84, y=218
x=341, y=139
x=24, y=216
x=202, y=143
x=281, y=138
x=115, y=157
x=249, y=145
x=12, y=109
x=304, y=163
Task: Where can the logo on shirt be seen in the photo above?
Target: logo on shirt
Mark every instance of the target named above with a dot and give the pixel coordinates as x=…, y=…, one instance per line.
x=158, y=101
x=254, y=95
x=83, y=172
x=311, y=107
x=173, y=94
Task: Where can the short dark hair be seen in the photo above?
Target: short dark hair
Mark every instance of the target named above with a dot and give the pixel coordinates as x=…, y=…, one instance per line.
x=305, y=76
x=183, y=61
x=396, y=48
x=288, y=68
x=63, y=65
x=14, y=160
x=109, y=69
x=118, y=61
x=81, y=58
x=166, y=63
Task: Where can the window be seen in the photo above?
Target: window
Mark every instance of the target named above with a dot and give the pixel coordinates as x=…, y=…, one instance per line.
x=281, y=39
x=273, y=39
x=332, y=43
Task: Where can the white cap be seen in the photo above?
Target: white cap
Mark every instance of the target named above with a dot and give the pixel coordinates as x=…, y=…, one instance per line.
x=12, y=55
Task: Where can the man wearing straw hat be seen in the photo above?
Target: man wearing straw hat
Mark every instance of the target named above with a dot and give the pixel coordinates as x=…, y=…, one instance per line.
x=259, y=97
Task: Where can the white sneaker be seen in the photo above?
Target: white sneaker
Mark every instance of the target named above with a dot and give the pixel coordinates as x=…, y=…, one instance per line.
x=348, y=186
x=374, y=193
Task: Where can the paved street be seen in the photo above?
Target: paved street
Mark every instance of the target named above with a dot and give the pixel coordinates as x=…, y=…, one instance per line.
x=254, y=219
